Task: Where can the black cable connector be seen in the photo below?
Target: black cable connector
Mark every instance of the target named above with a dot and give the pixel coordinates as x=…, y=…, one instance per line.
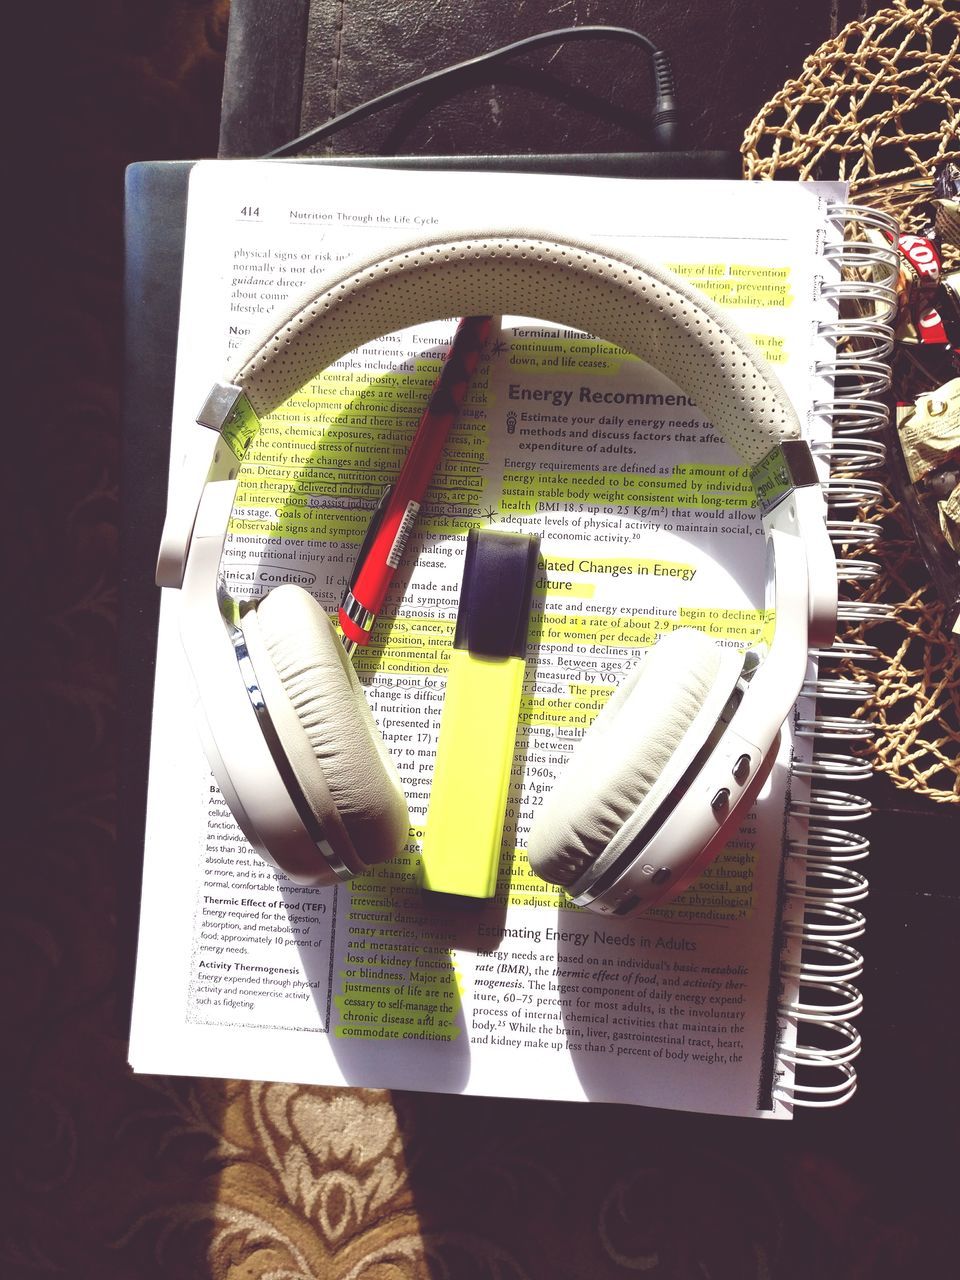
x=666, y=116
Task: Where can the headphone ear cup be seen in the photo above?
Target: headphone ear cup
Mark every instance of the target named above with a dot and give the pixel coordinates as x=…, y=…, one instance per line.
x=323, y=722
x=625, y=764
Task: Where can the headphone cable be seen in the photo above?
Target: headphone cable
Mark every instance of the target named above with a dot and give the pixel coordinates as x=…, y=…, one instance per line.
x=665, y=115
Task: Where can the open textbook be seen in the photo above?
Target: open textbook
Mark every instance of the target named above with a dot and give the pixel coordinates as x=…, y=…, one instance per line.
x=647, y=523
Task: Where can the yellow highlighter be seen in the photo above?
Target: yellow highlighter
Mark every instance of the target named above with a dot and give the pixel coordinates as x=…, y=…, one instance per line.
x=478, y=724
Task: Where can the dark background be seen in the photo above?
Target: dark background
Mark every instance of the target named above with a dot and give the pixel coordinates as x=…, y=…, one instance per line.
x=869, y=1191
x=728, y=59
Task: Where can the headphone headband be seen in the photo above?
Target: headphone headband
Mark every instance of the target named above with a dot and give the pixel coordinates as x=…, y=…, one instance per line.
x=609, y=293
x=606, y=291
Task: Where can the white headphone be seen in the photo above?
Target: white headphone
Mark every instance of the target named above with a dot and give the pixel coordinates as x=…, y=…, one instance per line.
x=662, y=777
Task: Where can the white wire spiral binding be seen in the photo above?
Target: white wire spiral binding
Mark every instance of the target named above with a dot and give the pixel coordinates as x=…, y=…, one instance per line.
x=857, y=570
x=845, y=533
x=826, y=845
x=853, y=455
x=832, y=766
x=847, y=494
x=840, y=687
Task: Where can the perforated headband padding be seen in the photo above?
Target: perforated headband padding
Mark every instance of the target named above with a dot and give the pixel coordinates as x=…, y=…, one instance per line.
x=607, y=292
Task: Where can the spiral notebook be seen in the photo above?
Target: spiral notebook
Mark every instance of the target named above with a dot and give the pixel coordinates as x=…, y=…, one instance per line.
x=740, y=997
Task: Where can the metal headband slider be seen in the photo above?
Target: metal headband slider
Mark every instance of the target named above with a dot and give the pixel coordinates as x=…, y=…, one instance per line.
x=227, y=410
x=787, y=467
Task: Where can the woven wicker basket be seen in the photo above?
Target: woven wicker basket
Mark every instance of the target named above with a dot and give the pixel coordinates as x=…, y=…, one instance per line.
x=879, y=106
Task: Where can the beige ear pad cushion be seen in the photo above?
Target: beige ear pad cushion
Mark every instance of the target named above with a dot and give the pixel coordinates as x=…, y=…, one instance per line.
x=621, y=763
x=333, y=745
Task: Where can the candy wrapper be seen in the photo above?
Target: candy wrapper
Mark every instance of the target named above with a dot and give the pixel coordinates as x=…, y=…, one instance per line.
x=930, y=430
x=950, y=518
x=927, y=472
x=946, y=300
x=946, y=200
x=924, y=453
x=920, y=268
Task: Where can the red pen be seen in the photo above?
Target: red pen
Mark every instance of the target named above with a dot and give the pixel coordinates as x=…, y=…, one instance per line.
x=396, y=512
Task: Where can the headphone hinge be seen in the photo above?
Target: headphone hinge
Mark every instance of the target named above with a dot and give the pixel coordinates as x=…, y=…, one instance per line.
x=228, y=411
x=788, y=466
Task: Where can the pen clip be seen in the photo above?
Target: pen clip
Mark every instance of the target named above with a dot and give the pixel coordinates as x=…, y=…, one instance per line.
x=376, y=519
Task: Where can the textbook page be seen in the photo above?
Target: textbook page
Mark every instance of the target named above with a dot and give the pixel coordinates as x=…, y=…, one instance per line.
x=647, y=524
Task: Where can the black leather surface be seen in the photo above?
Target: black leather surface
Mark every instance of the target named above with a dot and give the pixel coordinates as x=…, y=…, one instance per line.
x=267, y=45
x=728, y=59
